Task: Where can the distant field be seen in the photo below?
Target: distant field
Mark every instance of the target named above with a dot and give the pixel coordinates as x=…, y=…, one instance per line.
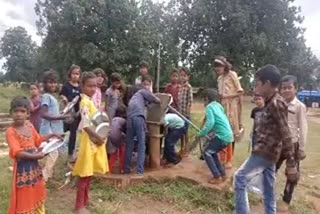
x=6, y=95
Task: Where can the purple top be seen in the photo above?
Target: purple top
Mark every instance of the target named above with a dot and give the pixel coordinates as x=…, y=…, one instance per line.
x=35, y=116
x=138, y=102
x=117, y=134
x=112, y=99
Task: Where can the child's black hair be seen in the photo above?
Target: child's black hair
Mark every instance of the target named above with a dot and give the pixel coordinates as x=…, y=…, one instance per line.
x=146, y=78
x=211, y=95
x=144, y=64
x=185, y=70
x=50, y=76
x=115, y=77
x=35, y=84
x=98, y=71
x=269, y=73
x=290, y=78
x=20, y=101
x=174, y=71
x=73, y=67
x=86, y=76
x=121, y=111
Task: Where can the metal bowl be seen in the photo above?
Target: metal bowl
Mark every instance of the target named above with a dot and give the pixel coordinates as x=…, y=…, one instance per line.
x=103, y=130
x=100, y=117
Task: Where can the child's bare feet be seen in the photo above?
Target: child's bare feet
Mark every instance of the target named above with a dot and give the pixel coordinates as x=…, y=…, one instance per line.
x=228, y=165
x=82, y=211
x=214, y=180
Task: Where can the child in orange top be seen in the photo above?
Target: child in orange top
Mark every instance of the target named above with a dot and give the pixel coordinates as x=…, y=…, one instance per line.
x=28, y=192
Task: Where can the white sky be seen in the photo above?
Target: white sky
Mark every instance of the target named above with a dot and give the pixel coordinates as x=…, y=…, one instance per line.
x=21, y=13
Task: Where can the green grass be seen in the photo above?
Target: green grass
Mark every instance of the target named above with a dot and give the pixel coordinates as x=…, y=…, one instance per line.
x=176, y=196
x=6, y=95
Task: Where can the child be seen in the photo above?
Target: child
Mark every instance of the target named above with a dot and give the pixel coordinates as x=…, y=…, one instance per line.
x=35, y=116
x=273, y=139
x=136, y=124
x=230, y=92
x=70, y=90
x=173, y=87
x=102, y=79
x=175, y=130
x=185, y=99
x=216, y=121
x=256, y=116
x=28, y=192
x=92, y=156
x=143, y=70
x=297, y=119
x=113, y=96
x=116, y=139
x=51, y=117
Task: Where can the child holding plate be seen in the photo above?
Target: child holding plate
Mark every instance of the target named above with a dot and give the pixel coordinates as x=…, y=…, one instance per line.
x=92, y=156
x=24, y=142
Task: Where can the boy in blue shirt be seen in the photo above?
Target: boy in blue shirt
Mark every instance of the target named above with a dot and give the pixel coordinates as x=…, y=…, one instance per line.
x=217, y=122
x=175, y=130
x=136, y=124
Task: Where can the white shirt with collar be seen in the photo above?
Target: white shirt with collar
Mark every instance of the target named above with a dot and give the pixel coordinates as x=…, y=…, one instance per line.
x=297, y=120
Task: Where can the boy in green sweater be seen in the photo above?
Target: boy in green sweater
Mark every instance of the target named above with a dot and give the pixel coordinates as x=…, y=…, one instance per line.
x=217, y=122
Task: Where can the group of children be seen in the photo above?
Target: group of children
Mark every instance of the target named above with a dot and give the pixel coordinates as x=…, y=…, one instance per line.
x=279, y=133
x=272, y=135
x=39, y=118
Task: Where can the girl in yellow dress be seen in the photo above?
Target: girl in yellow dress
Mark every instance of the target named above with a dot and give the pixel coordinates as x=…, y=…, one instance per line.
x=92, y=156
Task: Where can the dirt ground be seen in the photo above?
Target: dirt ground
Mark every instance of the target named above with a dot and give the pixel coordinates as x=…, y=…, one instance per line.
x=61, y=200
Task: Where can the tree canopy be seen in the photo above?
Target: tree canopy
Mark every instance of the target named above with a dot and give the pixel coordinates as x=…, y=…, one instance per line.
x=20, y=53
x=118, y=35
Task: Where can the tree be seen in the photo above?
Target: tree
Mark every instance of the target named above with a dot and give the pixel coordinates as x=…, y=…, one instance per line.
x=114, y=35
x=251, y=33
x=20, y=53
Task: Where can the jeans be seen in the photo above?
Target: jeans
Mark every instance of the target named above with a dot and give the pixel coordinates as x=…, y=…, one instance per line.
x=212, y=159
x=135, y=128
x=255, y=165
x=171, y=139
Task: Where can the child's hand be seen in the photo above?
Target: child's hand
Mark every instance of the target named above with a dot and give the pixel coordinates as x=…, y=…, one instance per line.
x=64, y=100
x=39, y=155
x=59, y=136
x=97, y=141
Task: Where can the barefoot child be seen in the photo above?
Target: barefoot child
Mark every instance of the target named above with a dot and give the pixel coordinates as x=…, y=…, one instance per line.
x=185, y=99
x=113, y=96
x=28, y=193
x=230, y=92
x=102, y=79
x=173, y=87
x=175, y=126
x=297, y=119
x=51, y=117
x=69, y=91
x=136, y=124
x=273, y=139
x=35, y=116
x=92, y=156
x=117, y=138
x=216, y=121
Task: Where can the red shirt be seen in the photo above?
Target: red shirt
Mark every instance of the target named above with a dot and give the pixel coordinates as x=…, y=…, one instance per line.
x=173, y=89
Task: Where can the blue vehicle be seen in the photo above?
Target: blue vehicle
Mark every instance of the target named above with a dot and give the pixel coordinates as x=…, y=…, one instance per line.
x=309, y=97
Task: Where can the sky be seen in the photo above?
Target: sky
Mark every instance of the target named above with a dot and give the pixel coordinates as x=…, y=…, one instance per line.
x=21, y=13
